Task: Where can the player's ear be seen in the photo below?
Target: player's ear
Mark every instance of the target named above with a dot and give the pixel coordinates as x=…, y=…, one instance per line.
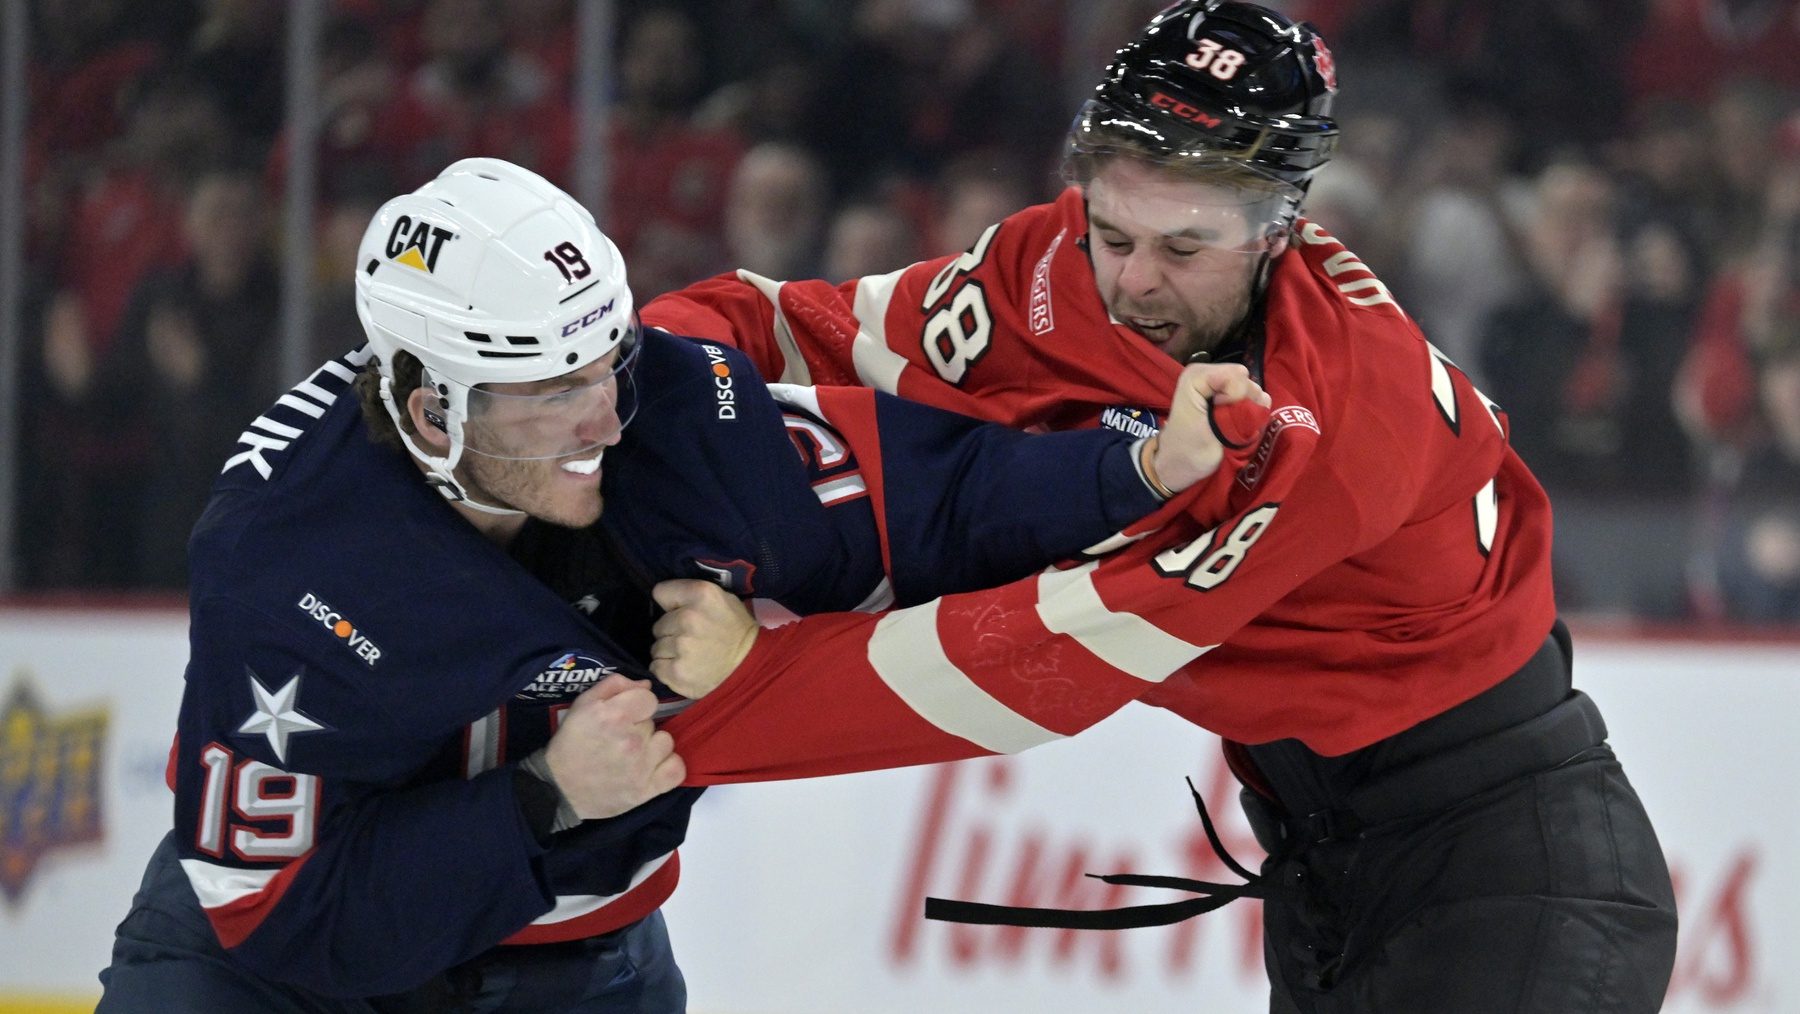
x=427, y=420
x=1278, y=242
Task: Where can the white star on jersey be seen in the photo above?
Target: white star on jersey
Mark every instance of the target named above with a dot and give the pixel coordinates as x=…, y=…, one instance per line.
x=277, y=714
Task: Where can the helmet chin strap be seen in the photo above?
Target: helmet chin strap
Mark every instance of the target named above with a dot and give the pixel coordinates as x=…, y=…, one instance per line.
x=440, y=472
x=1265, y=261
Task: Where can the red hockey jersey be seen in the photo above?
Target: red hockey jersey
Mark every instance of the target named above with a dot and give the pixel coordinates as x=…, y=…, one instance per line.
x=1382, y=556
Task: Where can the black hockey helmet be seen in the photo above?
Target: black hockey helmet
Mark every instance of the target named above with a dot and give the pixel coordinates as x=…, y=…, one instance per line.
x=1218, y=81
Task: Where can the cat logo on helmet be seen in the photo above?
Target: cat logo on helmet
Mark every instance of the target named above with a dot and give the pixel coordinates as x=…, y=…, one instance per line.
x=416, y=245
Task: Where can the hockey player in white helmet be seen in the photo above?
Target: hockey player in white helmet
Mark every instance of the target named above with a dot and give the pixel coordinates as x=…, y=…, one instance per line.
x=408, y=775
x=386, y=764
x=518, y=373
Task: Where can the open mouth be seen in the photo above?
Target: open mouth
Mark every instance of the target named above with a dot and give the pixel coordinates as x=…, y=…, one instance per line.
x=585, y=466
x=1154, y=328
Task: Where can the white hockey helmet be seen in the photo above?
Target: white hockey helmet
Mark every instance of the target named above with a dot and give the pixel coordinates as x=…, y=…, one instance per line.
x=489, y=275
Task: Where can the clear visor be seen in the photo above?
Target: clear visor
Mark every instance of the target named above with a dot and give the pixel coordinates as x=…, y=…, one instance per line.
x=1212, y=218
x=1100, y=132
x=577, y=413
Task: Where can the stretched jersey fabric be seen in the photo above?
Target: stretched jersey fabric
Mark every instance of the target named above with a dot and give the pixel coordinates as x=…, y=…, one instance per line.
x=1382, y=556
x=365, y=667
x=818, y=499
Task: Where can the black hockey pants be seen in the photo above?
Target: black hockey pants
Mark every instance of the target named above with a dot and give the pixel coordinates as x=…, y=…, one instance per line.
x=1491, y=859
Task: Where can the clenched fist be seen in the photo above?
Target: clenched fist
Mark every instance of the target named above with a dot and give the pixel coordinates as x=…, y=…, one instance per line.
x=606, y=757
x=701, y=639
x=1189, y=447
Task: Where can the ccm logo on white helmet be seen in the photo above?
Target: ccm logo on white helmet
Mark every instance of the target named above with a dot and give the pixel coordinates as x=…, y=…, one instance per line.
x=588, y=321
x=416, y=245
x=346, y=631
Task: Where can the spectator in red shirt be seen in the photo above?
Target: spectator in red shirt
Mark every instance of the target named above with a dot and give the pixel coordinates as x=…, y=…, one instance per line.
x=664, y=167
x=1689, y=48
x=475, y=96
x=1739, y=396
x=195, y=356
x=127, y=220
x=669, y=176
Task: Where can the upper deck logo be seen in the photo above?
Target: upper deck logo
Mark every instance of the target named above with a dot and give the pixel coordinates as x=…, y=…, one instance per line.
x=50, y=792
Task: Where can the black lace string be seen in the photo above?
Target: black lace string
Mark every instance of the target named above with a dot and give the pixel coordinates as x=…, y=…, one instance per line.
x=1213, y=896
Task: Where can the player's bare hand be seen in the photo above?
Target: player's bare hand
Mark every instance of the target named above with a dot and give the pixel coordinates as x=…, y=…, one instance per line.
x=606, y=756
x=1189, y=448
x=706, y=632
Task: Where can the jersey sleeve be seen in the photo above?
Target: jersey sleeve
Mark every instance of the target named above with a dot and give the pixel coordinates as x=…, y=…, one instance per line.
x=739, y=309
x=1005, y=669
x=1012, y=329
x=966, y=504
x=712, y=481
x=812, y=498
x=919, y=331
x=813, y=332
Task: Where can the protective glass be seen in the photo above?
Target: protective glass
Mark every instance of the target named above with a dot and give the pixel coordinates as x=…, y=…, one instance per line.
x=570, y=415
x=1281, y=150
x=1206, y=221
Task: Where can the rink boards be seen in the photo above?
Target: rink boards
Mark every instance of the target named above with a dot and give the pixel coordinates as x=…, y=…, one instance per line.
x=805, y=897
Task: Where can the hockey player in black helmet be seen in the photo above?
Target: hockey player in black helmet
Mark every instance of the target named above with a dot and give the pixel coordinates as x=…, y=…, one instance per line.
x=1214, y=83
x=1368, y=622
x=1229, y=95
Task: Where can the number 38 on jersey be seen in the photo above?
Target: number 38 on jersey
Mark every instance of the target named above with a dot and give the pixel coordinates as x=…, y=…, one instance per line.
x=1208, y=561
x=956, y=335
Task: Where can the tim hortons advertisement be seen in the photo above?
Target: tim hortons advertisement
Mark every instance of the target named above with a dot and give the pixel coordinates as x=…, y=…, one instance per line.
x=807, y=897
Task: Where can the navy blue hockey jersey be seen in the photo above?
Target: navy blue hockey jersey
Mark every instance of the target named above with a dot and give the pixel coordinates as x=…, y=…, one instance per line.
x=365, y=665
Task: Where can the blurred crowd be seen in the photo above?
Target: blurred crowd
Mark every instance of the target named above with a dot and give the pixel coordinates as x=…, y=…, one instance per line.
x=1592, y=206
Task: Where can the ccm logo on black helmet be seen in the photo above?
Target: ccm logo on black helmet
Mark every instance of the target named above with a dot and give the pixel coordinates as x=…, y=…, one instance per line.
x=416, y=246
x=1192, y=114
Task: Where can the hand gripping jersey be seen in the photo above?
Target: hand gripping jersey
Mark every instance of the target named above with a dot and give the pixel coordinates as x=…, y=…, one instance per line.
x=365, y=665
x=1382, y=556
